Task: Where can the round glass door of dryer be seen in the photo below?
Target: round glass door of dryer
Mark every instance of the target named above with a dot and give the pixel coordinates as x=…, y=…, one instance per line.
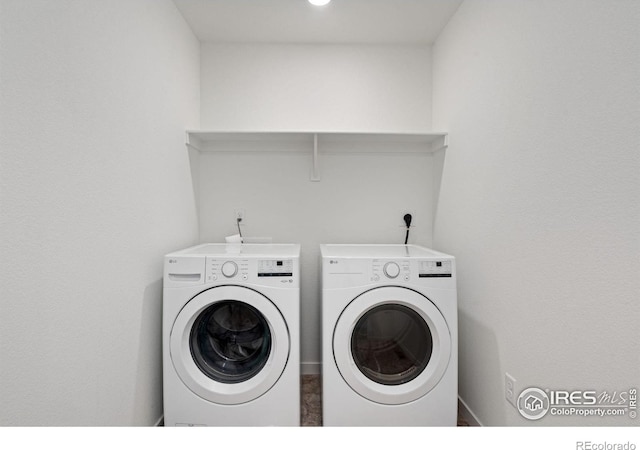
x=229, y=344
x=391, y=345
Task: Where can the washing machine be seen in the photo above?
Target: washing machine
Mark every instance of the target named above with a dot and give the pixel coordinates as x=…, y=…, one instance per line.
x=389, y=336
x=231, y=321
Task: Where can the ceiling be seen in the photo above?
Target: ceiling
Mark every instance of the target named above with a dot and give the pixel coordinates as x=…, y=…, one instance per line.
x=297, y=21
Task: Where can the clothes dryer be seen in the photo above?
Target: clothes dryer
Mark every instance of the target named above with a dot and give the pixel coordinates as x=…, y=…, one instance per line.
x=231, y=320
x=389, y=343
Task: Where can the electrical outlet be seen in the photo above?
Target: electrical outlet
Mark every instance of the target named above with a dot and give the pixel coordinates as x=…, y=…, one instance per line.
x=510, y=389
x=401, y=222
x=240, y=215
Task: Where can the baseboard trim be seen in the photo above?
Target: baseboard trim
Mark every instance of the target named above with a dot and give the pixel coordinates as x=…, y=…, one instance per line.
x=310, y=368
x=468, y=415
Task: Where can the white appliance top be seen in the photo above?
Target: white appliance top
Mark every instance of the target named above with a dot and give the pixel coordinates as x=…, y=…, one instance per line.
x=244, y=250
x=378, y=251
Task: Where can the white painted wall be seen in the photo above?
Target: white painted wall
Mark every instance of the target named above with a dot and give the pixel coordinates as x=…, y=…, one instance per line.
x=539, y=197
x=316, y=87
x=95, y=187
x=361, y=197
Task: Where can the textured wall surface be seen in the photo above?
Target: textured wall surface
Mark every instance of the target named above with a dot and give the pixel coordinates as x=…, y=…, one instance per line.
x=95, y=187
x=539, y=197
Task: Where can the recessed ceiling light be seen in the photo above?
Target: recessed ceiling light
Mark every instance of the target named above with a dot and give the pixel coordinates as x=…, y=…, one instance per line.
x=319, y=2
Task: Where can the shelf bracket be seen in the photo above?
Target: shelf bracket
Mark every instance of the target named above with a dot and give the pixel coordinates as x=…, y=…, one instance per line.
x=193, y=142
x=315, y=169
x=442, y=143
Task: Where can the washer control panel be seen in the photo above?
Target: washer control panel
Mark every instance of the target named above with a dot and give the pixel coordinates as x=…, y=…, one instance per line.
x=220, y=269
x=270, y=271
x=275, y=267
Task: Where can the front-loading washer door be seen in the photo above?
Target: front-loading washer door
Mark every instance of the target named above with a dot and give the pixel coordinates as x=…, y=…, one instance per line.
x=229, y=344
x=391, y=345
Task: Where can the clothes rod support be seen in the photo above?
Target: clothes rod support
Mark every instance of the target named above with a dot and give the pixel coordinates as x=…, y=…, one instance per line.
x=315, y=170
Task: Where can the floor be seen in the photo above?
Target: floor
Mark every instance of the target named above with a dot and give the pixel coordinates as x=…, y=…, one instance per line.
x=311, y=403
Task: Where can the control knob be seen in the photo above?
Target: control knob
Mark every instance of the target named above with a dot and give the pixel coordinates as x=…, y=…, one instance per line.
x=391, y=269
x=229, y=269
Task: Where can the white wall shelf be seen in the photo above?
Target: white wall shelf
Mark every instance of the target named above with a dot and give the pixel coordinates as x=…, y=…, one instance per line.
x=358, y=142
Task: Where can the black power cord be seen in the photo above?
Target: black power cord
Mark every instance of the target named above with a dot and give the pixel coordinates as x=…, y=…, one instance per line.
x=407, y=221
x=238, y=220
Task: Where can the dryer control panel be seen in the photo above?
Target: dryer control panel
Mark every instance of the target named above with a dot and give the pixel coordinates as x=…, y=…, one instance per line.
x=391, y=270
x=402, y=269
x=435, y=269
x=351, y=266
